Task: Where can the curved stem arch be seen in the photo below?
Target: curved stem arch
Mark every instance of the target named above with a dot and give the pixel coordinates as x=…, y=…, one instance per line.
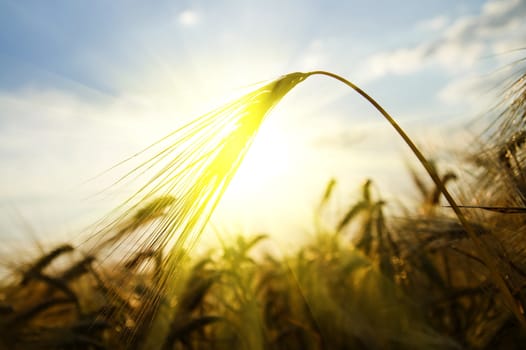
x=480, y=246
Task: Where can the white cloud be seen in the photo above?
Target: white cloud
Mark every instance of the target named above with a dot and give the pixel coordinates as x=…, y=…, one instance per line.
x=456, y=56
x=401, y=61
x=467, y=52
x=314, y=56
x=462, y=89
x=188, y=18
x=480, y=92
x=499, y=7
x=459, y=45
x=434, y=24
x=65, y=138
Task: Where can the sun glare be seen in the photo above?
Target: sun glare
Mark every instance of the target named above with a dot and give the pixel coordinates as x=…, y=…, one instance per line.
x=258, y=198
x=267, y=161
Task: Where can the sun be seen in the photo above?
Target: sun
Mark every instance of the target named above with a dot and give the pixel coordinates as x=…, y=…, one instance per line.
x=258, y=198
x=266, y=163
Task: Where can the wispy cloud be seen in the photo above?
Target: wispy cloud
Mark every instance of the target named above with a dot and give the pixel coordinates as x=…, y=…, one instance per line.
x=433, y=24
x=459, y=45
x=64, y=138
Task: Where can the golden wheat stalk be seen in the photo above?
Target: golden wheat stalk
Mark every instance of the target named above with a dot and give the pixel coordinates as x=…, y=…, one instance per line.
x=202, y=158
x=192, y=173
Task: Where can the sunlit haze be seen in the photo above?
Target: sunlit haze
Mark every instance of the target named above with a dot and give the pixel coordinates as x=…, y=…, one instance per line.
x=86, y=84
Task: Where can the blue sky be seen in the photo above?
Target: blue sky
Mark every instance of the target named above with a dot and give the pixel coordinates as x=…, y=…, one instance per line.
x=83, y=84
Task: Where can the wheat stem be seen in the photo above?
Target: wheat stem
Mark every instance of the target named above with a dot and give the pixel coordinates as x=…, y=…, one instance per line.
x=479, y=244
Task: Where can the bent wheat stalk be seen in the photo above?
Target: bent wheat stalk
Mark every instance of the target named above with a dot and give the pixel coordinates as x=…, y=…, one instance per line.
x=488, y=258
x=200, y=160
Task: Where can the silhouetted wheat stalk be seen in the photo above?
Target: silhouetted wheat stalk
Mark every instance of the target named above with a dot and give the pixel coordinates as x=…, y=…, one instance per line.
x=197, y=166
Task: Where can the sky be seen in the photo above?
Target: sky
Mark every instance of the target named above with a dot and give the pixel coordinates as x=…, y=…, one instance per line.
x=85, y=84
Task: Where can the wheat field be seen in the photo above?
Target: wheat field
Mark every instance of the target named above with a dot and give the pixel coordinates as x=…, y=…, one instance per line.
x=450, y=273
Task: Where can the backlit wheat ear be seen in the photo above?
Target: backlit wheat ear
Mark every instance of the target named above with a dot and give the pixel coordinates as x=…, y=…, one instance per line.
x=194, y=170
